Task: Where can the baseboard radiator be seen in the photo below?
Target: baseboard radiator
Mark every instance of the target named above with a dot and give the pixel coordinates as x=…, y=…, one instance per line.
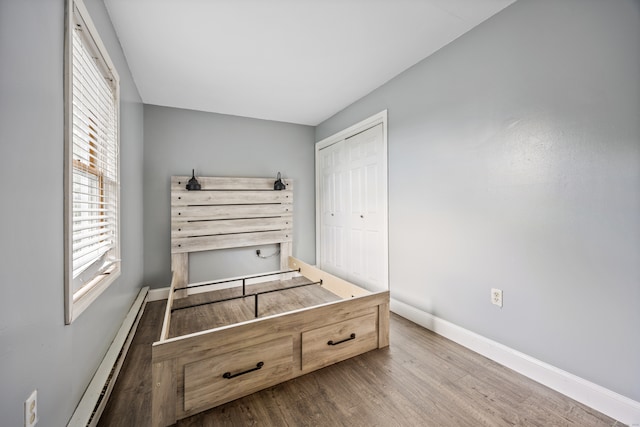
x=97, y=394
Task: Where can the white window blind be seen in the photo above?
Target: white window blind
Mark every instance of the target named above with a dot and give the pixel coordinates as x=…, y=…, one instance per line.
x=93, y=181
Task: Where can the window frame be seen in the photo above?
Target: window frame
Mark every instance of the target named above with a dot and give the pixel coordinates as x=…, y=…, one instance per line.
x=76, y=301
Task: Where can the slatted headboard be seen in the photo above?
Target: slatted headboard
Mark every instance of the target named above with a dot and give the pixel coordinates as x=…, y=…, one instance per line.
x=228, y=213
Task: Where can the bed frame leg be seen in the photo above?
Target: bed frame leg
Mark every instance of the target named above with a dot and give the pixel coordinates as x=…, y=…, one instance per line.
x=163, y=395
x=180, y=268
x=383, y=325
x=285, y=253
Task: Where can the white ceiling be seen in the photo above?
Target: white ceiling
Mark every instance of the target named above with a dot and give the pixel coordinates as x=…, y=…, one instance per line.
x=298, y=61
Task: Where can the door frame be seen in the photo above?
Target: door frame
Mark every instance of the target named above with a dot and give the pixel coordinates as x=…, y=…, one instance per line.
x=379, y=118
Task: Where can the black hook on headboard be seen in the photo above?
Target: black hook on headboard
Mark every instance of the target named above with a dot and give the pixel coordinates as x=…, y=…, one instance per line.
x=193, y=183
x=279, y=185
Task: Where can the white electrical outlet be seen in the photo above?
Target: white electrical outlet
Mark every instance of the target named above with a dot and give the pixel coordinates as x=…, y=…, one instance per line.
x=496, y=297
x=31, y=410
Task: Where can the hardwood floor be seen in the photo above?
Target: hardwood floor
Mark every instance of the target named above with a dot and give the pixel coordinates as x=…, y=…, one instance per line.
x=209, y=316
x=422, y=379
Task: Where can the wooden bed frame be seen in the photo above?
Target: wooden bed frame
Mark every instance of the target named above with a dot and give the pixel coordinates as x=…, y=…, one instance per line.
x=198, y=371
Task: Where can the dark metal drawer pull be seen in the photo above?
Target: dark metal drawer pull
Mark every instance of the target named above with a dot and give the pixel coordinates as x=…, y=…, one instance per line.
x=351, y=337
x=228, y=375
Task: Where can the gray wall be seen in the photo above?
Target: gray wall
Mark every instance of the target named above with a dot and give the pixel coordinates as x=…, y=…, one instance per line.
x=37, y=351
x=178, y=140
x=514, y=162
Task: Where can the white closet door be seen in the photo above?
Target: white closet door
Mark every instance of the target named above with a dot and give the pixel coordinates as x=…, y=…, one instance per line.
x=353, y=205
x=333, y=212
x=366, y=217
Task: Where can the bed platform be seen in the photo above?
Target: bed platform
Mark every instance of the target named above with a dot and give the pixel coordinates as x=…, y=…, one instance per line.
x=225, y=339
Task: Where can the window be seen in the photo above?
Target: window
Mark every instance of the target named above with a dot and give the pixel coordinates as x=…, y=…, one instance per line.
x=92, y=186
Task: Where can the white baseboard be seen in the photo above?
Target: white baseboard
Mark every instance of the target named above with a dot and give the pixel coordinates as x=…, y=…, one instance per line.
x=158, y=294
x=597, y=397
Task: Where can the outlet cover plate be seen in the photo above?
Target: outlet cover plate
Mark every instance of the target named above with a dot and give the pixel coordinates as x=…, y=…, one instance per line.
x=31, y=409
x=496, y=297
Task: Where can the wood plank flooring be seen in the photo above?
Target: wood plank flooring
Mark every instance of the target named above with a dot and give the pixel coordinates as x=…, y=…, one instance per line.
x=209, y=316
x=422, y=379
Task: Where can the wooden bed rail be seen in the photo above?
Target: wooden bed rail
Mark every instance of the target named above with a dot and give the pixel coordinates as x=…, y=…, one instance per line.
x=335, y=284
x=166, y=323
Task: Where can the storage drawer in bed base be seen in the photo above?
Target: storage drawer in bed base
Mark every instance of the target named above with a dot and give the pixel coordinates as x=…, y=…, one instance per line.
x=227, y=376
x=339, y=341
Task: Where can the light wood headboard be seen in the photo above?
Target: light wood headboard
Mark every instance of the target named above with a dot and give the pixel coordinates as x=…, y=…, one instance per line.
x=228, y=213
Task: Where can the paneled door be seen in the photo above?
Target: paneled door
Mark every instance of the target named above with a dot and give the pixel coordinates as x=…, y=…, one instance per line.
x=334, y=218
x=353, y=208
